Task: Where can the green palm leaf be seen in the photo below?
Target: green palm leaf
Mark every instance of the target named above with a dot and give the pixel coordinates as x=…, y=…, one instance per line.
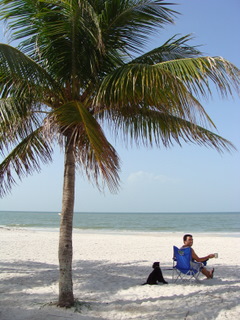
x=171, y=50
x=20, y=73
x=24, y=159
x=127, y=24
x=17, y=121
x=152, y=128
x=196, y=73
x=149, y=86
x=92, y=150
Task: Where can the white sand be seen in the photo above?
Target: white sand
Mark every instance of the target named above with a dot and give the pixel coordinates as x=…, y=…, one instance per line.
x=108, y=270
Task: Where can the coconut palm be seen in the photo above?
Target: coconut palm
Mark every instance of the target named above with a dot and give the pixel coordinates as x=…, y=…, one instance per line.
x=80, y=67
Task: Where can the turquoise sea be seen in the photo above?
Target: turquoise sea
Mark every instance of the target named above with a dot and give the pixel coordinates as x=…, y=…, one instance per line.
x=207, y=222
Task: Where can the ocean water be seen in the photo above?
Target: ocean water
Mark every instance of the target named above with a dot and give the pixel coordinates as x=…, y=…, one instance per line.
x=207, y=222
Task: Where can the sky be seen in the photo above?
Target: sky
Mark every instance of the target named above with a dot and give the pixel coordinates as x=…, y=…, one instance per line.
x=180, y=179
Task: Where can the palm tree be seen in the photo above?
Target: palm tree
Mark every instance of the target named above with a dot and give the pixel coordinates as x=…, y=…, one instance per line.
x=79, y=66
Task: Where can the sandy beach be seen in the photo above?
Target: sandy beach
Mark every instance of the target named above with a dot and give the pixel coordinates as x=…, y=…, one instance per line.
x=108, y=270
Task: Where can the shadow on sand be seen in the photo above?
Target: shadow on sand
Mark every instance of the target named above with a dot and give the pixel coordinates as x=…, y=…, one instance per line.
x=102, y=285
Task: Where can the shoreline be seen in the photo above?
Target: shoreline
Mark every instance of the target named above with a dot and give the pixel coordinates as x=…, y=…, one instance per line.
x=125, y=232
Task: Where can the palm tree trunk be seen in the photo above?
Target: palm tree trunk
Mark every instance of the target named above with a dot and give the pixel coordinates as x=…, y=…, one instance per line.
x=66, y=298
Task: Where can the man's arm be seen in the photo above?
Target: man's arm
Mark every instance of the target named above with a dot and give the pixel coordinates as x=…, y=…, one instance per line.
x=196, y=257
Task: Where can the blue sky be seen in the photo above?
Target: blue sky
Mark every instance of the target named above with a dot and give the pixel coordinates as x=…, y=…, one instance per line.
x=187, y=179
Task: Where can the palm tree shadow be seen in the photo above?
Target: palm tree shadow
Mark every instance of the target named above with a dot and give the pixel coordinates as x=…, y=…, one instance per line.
x=108, y=279
x=35, y=284
x=102, y=275
x=24, y=279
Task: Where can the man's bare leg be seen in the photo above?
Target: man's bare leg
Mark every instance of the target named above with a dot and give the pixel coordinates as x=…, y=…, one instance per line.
x=208, y=274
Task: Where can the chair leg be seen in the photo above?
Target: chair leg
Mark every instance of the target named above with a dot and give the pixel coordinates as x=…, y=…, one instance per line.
x=178, y=275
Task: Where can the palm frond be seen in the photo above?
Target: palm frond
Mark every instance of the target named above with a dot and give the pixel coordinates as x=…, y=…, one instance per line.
x=20, y=72
x=18, y=120
x=152, y=128
x=198, y=73
x=169, y=87
x=92, y=150
x=60, y=33
x=127, y=24
x=171, y=50
x=150, y=86
x=23, y=160
x=71, y=40
x=20, y=16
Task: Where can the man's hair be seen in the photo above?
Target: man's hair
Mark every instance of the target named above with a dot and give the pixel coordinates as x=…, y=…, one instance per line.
x=186, y=236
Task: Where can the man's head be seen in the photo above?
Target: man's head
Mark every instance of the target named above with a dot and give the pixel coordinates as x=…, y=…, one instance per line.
x=188, y=240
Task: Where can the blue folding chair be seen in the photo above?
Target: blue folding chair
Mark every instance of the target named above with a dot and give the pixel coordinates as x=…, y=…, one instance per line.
x=182, y=269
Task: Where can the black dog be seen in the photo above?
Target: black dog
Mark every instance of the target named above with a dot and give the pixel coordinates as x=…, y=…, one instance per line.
x=156, y=275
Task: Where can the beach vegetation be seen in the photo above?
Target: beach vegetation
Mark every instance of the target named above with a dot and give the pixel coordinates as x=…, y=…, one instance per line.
x=80, y=66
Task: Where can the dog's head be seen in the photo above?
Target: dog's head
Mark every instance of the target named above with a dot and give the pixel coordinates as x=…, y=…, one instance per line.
x=155, y=265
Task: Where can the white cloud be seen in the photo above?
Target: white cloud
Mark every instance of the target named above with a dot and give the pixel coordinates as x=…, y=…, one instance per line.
x=143, y=176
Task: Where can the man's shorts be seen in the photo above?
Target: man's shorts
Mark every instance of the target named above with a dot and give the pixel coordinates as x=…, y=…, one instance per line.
x=196, y=265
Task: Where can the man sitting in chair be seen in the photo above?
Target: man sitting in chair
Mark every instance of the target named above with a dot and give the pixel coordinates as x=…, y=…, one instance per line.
x=197, y=263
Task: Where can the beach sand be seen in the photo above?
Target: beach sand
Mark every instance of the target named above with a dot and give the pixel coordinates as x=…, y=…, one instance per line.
x=108, y=270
